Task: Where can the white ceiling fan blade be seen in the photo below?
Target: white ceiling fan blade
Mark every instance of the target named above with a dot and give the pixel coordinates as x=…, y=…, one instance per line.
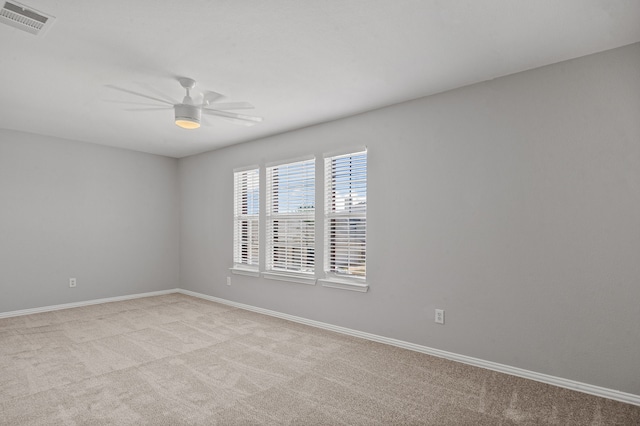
x=232, y=115
x=156, y=92
x=240, y=122
x=114, y=101
x=208, y=97
x=160, y=108
x=205, y=122
x=131, y=92
x=223, y=106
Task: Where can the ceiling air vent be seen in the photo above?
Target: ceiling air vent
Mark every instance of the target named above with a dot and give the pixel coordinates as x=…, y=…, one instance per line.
x=24, y=18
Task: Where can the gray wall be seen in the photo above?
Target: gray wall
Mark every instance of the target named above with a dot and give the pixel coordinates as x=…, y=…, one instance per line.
x=525, y=193
x=108, y=217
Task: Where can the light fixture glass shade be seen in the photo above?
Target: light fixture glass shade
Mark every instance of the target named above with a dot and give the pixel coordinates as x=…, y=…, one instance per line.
x=187, y=124
x=187, y=116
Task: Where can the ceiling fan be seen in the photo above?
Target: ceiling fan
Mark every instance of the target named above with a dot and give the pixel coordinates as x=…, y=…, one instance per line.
x=188, y=113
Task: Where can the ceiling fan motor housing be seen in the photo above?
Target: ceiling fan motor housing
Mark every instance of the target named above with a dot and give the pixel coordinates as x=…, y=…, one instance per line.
x=187, y=116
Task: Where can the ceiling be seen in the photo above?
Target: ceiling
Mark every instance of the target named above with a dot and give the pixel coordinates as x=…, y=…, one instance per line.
x=298, y=62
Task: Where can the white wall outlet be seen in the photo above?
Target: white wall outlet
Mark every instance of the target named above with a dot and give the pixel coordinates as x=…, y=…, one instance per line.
x=228, y=280
x=440, y=316
x=72, y=282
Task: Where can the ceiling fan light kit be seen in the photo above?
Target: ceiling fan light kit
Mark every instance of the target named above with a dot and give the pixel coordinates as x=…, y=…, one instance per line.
x=187, y=116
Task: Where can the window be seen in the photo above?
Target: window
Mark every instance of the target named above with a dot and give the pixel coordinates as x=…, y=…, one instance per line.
x=345, y=222
x=246, y=186
x=290, y=218
x=289, y=221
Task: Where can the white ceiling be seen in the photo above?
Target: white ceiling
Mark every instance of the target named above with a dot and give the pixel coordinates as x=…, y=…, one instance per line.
x=299, y=62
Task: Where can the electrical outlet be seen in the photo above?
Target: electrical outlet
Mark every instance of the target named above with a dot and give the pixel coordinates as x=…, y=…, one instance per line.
x=72, y=282
x=440, y=316
x=228, y=280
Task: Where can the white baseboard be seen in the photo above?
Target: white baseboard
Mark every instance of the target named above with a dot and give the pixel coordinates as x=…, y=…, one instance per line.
x=85, y=303
x=501, y=368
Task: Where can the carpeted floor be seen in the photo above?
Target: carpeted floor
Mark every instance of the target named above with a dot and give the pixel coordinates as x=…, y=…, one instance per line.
x=179, y=360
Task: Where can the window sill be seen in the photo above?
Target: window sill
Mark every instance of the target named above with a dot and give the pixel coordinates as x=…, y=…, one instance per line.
x=280, y=276
x=248, y=272
x=344, y=285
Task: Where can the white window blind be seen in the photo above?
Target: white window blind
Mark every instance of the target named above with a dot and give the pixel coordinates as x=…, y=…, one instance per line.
x=290, y=217
x=246, y=249
x=346, y=215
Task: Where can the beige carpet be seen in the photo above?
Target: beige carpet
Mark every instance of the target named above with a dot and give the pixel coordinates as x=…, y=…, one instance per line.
x=178, y=360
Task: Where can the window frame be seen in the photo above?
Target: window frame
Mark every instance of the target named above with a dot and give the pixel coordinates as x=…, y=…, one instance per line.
x=251, y=176
x=301, y=270
x=333, y=278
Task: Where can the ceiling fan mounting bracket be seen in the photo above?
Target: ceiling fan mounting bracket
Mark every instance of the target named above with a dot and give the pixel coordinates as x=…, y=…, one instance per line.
x=187, y=83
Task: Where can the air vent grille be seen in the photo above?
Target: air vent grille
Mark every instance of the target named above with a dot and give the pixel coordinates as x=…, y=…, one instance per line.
x=24, y=18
